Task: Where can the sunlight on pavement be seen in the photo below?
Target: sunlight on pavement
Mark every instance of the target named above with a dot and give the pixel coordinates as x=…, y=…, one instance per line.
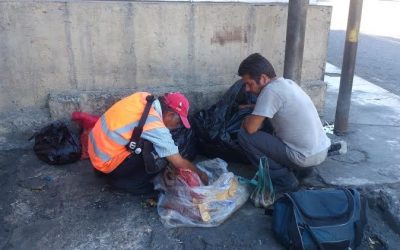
x=378, y=17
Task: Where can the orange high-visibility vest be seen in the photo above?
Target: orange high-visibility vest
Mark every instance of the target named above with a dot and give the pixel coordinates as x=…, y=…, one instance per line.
x=113, y=131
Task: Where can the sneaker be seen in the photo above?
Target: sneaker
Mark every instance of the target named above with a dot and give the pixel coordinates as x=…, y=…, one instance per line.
x=338, y=148
x=284, y=184
x=302, y=173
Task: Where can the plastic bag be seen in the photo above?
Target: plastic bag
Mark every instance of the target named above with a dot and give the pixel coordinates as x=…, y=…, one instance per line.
x=189, y=177
x=181, y=205
x=217, y=127
x=186, y=141
x=263, y=194
x=86, y=122
x=56, y=145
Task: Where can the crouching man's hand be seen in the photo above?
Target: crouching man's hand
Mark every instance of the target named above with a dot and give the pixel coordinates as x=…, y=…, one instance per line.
x=179, y=162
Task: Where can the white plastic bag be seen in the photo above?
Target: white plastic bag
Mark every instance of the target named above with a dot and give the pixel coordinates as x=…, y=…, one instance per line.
x=200, y=206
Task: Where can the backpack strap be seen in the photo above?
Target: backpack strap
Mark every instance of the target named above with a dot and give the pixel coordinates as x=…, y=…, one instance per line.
x=133, y=144
x=313, y=237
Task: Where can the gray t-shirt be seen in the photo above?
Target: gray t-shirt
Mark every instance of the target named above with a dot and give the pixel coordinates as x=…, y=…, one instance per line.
x=295, y=121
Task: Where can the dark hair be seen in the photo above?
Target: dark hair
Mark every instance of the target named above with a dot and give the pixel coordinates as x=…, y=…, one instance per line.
x=255, y=65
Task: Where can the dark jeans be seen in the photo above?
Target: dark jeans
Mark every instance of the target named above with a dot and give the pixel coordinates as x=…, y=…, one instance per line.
x=130, y=176
x=262, y=144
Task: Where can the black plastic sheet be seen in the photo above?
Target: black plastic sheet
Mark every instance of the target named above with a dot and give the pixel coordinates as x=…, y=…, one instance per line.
x=186, y=141
x=56, y=145
x=217, y=127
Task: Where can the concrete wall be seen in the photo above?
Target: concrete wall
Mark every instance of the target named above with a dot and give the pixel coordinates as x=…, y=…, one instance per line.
x=51, y=46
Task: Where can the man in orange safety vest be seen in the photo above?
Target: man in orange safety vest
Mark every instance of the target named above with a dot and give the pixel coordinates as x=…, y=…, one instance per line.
x=131, y=167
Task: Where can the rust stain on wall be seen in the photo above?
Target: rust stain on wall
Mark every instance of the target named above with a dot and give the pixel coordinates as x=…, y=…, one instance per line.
x=237, y=34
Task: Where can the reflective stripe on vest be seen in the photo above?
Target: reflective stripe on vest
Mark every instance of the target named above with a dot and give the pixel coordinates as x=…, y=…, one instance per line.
x=129, y=127
x=106, y=146
x=98, y=152
x=116, y=135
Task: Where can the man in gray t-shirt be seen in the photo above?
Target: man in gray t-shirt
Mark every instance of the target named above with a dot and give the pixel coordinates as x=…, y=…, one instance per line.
x=298, y=141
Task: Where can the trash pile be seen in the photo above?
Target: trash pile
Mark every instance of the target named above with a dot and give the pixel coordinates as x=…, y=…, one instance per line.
x=185, y=201
x=56, y=145
x=217, y=127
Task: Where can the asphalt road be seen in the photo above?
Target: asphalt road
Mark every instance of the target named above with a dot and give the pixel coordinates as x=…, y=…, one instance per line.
x=378, y=58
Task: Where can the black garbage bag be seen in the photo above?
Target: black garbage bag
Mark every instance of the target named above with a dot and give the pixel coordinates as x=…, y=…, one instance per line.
x=56, y=145
x=186, y=141
x=217, y=127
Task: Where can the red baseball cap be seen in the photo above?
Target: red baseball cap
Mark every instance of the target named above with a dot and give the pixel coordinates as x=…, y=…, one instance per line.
x=180, y=105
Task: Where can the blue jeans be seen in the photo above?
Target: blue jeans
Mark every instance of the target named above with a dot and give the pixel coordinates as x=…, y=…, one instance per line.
x=262, y=144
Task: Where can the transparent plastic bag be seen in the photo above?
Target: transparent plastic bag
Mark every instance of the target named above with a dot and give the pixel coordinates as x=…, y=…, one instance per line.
x=180, y=205
x=263, y=195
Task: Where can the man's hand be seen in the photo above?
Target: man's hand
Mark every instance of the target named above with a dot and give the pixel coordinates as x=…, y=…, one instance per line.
x=203, y=177
x=253, y=123
x=179, y=162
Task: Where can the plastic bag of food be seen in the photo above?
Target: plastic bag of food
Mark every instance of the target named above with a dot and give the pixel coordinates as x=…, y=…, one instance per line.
x=263, y=195
x=183, y=205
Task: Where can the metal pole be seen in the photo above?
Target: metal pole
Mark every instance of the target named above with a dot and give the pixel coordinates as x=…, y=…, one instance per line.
x=295, y=33
x=348, y=66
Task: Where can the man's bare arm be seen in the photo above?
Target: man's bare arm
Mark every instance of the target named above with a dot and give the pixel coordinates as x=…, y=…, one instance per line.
x=253, y=123
x=179, y=162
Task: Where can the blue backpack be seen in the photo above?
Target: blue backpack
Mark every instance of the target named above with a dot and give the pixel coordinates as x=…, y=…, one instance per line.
x=332, y=218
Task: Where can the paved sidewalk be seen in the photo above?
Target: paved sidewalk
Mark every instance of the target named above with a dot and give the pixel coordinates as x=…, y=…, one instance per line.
x=372, y=163
x=373, y=138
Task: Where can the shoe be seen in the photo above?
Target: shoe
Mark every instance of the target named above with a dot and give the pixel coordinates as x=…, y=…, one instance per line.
x=284, y=184
x=338, y=148
x=302, y=173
